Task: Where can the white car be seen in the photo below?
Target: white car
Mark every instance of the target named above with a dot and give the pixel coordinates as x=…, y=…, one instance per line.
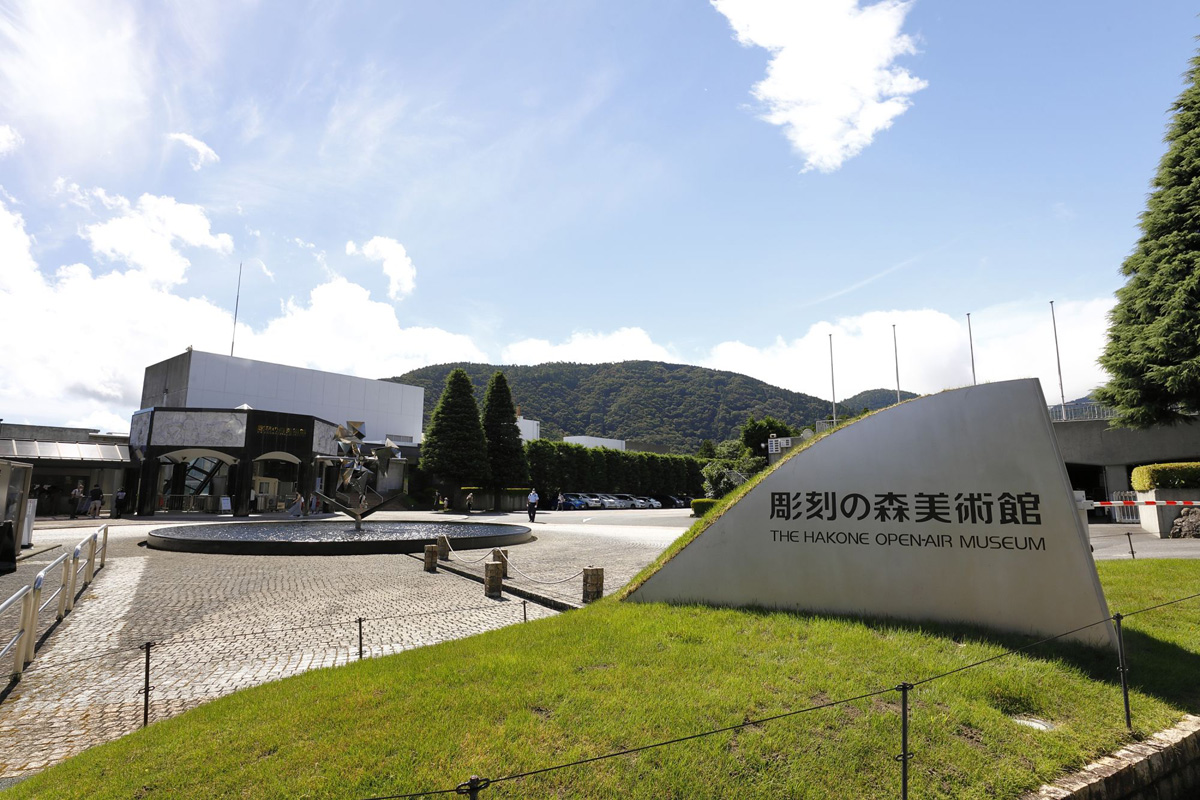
x=625, y=500
x=608, y=501
x=593, y=499
x=649, y=502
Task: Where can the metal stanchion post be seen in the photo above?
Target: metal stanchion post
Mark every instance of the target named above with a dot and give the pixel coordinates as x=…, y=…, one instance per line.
x=360, y=620
x=473, y=787
x=904, y=756
x=146, y=687
x=1123, y=669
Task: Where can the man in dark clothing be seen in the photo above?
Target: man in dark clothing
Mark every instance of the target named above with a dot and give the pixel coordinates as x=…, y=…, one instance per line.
x=96, y=495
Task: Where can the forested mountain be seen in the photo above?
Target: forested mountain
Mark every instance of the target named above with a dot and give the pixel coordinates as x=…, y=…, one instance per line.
x=875, y=399
x=671, y=406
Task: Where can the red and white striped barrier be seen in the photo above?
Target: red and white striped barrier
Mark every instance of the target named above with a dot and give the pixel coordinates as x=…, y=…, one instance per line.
x=1104, y=503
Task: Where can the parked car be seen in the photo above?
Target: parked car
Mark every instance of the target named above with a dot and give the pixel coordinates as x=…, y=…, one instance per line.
x=650, y=502
x=669, y=501
x=608, y=501
x=593, y=499
x=574, y=502
x=625, y=500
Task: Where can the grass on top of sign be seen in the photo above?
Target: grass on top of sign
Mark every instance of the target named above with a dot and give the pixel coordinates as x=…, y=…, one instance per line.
x=619, y=675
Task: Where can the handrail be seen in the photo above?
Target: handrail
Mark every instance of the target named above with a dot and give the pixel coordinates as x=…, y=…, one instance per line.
x=35, y=605
x=103, y=549
x=72, y=563
x=16, y=643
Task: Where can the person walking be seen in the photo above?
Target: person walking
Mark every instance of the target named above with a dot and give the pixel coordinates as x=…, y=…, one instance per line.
x=96, y=498
x=562, y=503
x=532, y=499
x=78, y=500
x=470, y=500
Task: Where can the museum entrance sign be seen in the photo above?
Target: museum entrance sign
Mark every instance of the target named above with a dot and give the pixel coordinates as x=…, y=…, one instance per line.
x=954, y=507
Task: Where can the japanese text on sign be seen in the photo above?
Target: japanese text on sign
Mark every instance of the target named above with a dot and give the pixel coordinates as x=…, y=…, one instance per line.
x=984, y=508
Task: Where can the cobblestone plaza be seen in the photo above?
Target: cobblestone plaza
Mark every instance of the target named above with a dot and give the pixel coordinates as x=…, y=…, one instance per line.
x=221, y=623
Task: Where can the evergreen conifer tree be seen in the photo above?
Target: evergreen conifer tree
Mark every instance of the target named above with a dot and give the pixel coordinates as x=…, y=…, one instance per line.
x=454, y=450
x=505, y=450
x=1153, y=350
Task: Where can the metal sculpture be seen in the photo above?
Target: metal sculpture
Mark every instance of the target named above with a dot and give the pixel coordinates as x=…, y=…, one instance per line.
x=357, y=466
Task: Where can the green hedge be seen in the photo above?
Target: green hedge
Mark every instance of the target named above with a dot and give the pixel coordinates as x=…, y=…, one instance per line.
x=1183, y=475
x=567, y=467
x=702, y=506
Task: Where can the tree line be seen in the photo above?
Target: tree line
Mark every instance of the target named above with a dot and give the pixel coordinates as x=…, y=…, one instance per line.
x=463, y=447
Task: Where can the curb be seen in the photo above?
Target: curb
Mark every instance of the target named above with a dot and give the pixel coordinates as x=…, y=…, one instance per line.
x=542, y=600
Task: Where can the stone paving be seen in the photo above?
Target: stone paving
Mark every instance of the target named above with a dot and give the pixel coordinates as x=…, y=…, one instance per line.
x=222, y=623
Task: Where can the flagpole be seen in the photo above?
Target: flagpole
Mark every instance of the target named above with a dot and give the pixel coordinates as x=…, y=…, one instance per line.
x=236, y=301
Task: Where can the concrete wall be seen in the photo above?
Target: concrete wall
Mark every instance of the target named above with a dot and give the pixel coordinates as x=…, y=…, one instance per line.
x=1093, y=442
x=165, y=384
x=208, y=380
x=596, y=441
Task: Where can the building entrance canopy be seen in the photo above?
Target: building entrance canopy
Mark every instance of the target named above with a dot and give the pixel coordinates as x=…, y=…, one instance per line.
x=234, y=437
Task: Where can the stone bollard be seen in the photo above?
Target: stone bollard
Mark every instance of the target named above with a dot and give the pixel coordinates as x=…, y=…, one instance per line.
x=431, y=552
x=593, y=584
x=443, y=547
x=501, y=558
x=491, y=579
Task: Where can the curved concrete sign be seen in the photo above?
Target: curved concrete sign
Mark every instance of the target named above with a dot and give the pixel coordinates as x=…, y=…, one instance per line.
x=954, y=507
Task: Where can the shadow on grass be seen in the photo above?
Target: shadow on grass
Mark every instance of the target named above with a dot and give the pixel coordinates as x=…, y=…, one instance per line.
x=1161, y=669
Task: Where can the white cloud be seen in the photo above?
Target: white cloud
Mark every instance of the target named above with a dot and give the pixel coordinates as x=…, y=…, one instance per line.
x=202, y=154
x=146, y=237
x=77, y=74
x=397, y=266
x=588, y=347
x=1014, y=340
x=10, y=140
x=71, y=376
x=831, y=82
x=302, y=336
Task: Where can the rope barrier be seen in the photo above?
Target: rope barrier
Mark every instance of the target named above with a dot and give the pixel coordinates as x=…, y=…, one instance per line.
x=466, y=561
x=535, y=580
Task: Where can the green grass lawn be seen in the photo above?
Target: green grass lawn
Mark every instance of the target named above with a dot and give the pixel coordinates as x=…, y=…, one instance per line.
x=617, y=676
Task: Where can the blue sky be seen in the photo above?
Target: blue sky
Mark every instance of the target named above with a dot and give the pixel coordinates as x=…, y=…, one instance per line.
x=722, y=184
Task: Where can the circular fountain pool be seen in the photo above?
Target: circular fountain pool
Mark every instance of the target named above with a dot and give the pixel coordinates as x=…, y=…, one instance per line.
x=332, y=537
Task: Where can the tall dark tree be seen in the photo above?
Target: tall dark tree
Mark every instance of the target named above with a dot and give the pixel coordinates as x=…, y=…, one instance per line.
x=505, y=451
x=1153, y=350
x=454, y=449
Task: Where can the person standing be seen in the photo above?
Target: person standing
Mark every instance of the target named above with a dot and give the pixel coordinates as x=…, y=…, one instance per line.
x=96, y=497
x=118, y=503
x=562, y=503
x=470, y=500
x=78, y=499
x=532, y=499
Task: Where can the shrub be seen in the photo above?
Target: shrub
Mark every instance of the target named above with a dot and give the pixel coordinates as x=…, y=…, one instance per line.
x=1183, y=475
x=701, y=506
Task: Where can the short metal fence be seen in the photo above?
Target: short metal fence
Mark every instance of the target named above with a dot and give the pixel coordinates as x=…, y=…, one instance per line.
x=1124, y=514
x=199, y=503
x=1080, y=412
x=80, y=561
